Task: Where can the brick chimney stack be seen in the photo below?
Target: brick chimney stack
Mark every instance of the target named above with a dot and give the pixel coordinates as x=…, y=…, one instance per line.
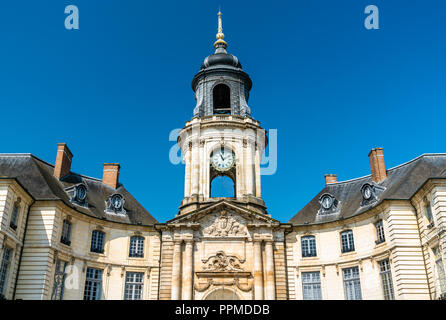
x=63, y=161
x=377, y=166
x=110, y=175
x=331, y=178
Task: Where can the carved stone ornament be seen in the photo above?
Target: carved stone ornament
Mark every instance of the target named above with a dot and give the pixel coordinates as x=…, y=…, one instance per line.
x=221, y=262
x=224, y=225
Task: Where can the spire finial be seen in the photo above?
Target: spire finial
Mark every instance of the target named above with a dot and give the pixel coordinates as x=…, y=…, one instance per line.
x=220, y=43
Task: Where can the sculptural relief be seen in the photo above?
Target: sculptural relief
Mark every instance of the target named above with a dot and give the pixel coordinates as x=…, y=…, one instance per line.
x=225, y=224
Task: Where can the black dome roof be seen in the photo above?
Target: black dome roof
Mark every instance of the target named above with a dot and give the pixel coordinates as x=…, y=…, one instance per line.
x=219, y=59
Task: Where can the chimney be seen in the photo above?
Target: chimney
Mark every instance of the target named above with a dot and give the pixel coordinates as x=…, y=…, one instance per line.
x=377, y=166
x=331, y=178
x=110, y=175
x=63, y=161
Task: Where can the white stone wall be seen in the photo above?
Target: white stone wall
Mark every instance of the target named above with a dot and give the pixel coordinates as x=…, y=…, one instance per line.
x=10, y=192
x=402, y=247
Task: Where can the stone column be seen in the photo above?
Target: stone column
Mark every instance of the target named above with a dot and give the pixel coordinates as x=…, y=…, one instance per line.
x=195, y=170
x=187, y=175
x=249, y=168
x=258, y=159
x=188, y=271
x=258, y=272
x=176, y=271
x=270, y=293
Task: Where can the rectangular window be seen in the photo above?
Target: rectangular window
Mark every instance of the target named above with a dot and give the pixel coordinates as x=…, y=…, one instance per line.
x=352, y=284
x=6, y=260
x=347, y=241
x=311, y=285
x=133, y=285
x=66, y=233
x=439, y=266
x=379, y=232
x=93, y=284
x=14, y=216
x=429, y=213
x=386, y=279
x=308, y=246
x=59, y=279
x=97, y=241
x=136, y=247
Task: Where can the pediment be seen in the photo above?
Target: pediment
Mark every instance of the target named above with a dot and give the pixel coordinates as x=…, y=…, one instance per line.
x=224, y=210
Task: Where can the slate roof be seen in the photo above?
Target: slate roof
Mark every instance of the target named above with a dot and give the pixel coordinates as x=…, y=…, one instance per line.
x=402, y=183
x=36, y=177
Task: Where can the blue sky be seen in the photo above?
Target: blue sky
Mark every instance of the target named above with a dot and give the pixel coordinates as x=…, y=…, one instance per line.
x=114, y=89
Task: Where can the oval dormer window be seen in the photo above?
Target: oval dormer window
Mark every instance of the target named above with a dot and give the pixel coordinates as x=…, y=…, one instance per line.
x=81, y=192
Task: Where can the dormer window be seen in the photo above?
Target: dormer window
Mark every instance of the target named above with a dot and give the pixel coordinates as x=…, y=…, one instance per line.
x=78, y=194
x=370, y=193
x=329, y=204
x=115, y=204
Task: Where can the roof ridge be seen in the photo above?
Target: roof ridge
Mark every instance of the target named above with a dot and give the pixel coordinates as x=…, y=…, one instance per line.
x=390, y=169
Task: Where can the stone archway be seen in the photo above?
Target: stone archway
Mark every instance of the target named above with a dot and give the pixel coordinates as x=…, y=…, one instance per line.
x=222, y=294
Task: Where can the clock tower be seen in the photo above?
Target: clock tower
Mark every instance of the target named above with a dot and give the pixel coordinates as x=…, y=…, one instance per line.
x=222, y=247
x=222, y=139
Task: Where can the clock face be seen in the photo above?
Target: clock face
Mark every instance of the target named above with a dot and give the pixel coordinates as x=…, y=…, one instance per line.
x=222, y=159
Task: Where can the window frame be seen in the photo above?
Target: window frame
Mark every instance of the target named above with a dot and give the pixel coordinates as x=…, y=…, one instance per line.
x=94, y=242
x=385, y=273
x=380, y=234
x=137, y=250
x=133, y=283
x=439, y=269
x=4, y=269
x=308, y=252
x=58, y=292
x=14, y=217
x=66, y=238
x=93, y=283
x=313, y=286
x=350, y=241
x=354, y=281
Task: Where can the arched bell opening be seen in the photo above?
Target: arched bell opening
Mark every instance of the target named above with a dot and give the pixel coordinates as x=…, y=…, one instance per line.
x=222, y=186
x=221, y=99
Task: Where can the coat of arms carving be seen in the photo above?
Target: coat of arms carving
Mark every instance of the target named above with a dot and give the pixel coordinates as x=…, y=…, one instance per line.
x=222, y=262
x=224, y=225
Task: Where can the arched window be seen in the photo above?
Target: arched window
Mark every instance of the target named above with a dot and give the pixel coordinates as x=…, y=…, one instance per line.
x=222, y=187
x=222, y=294
x=136, y=247
x=222, y=99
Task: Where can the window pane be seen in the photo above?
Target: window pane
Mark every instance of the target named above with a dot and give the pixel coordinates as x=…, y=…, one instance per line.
x=352, y=284
x=136, y=247
x=93, y=284
x=311, y=286
x=97, y=241
x=347, y=242
x=386, y=279
x=133, y=285
x=308, y=246
x=6, y=259
x=59, y=279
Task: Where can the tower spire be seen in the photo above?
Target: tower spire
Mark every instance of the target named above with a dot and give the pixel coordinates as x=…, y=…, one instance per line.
x=220, y=45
